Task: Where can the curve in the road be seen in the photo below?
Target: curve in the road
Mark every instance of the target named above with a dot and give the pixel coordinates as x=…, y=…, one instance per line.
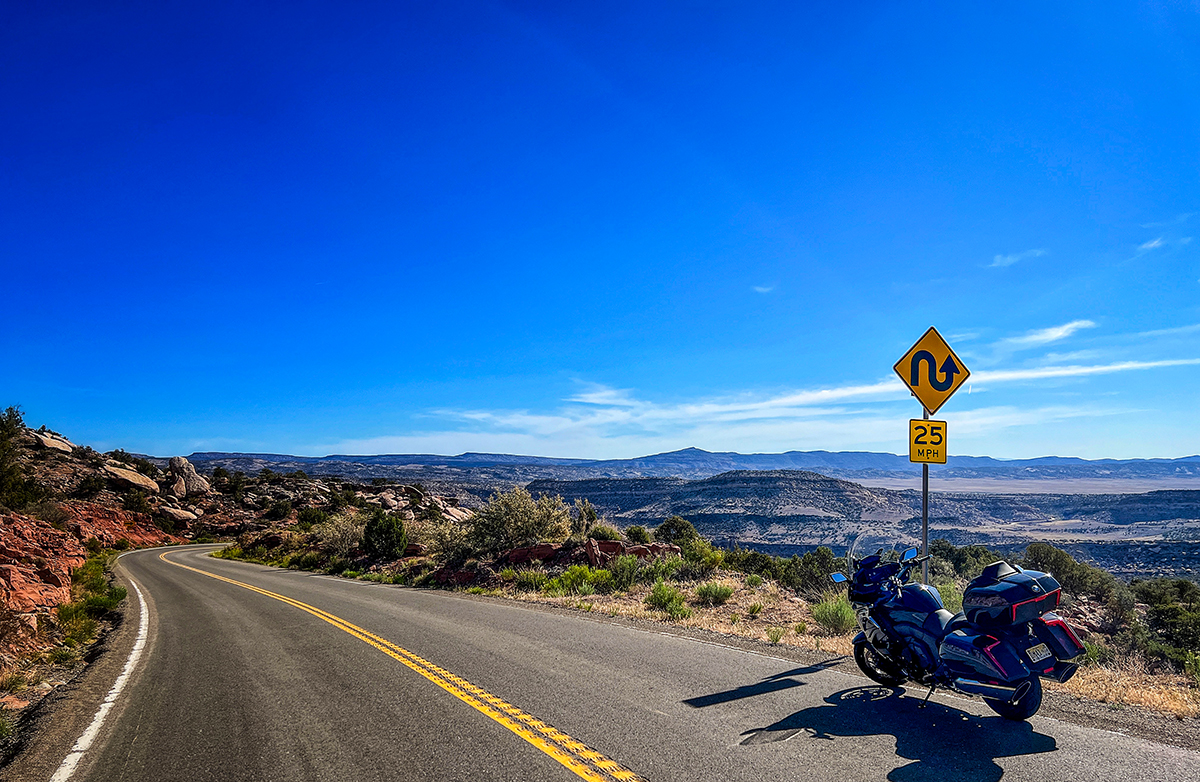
x=579, y=758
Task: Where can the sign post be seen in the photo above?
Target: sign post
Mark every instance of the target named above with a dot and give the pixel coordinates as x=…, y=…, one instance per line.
x=943, y=373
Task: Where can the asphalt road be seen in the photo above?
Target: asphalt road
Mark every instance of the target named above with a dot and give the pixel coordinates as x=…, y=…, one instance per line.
x=293, y=676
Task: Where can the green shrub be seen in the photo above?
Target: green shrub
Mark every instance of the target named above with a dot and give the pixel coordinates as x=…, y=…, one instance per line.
x=93, y=546
x=666, y=598
x=676, y=530
x=531, y=580
x=801, y=628
x=98, y=605
x=604, y=532
x=1096, y=653
x=136, y=502
x=808, y=574
x=574, y=577
x=232, y=551
x=13, y=682
x=713, y=594
x=775, y=634
x=279, y=511
x=336, y=566
x=350, y=574
x=514, y=518
x=89, y=487
x=659, y=569
x=638, y=534
x=624, y=571
x=952, y=596
x=16, y=490
x=700, y=558
x=341, y=534
x=1191, y=667
x=508, y=574
x=584, y=518
x=754, y=581
x=308, y=560
x=754, y=610
x=122, y=544
x=384, y=536
x=601, y=581
x=582, y=580
x=308, y=517
x=835, y=614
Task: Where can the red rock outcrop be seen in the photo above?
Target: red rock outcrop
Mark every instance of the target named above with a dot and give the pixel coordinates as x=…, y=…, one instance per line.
x=36, y=557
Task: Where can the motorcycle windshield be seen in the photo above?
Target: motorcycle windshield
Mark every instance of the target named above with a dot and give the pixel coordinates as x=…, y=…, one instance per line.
x=888, y=546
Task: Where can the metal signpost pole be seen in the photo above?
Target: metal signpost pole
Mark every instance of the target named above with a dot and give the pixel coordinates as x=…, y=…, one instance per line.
x=943, y=374
x=925, y=514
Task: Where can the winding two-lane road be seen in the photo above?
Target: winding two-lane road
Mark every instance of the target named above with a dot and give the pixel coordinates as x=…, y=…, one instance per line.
x=254, y=673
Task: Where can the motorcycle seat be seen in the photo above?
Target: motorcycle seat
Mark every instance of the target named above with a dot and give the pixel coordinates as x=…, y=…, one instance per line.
x=941, y=623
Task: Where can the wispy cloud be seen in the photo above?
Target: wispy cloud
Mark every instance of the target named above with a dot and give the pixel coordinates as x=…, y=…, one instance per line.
x=601, y=422
x=1009, y=260
x=1171, y=331
x=1150, y=245
x=763, y=288
x=1038, y=373
x=1045, y=336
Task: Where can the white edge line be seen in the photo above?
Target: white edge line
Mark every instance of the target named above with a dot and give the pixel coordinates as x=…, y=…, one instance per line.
x=85, y=741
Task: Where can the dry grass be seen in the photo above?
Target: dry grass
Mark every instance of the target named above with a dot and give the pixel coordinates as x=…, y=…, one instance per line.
x=780, y=609
x=1127, y=682
x=1124, y=682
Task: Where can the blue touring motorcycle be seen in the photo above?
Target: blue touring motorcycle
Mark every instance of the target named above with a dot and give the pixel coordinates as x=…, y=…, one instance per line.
x=1000, y=646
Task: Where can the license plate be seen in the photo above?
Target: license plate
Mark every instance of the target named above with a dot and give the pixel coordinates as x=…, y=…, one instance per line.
x=1037, y=653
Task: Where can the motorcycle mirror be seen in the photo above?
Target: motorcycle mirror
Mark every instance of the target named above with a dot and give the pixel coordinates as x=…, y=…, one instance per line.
x=838, y=578
x=909, y=554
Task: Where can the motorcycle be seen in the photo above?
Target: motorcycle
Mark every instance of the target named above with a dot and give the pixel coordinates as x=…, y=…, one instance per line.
x=1004, y=641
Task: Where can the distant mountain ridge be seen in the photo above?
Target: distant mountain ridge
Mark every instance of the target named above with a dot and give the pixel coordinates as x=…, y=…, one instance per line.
x=694, y=463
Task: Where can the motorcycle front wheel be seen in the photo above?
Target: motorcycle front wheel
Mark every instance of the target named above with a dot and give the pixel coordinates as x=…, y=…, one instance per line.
x=1025, y=707
x=877, y=667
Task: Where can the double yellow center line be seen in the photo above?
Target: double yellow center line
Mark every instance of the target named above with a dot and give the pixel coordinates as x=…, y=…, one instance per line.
x=575, y=755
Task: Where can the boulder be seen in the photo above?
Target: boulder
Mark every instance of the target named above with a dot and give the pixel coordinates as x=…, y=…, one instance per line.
x=183, y=472
x=540, y=552
x=53, y=443
x=176, y=514
x=178, y=488
x=131, y=479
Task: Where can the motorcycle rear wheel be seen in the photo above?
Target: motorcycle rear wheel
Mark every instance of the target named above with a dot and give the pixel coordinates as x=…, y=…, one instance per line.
x=1023, y=708
x=877, y=667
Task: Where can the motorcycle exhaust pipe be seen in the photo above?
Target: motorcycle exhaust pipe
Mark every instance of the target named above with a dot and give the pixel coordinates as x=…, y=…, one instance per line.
x=1063, y=671
x=995, y=691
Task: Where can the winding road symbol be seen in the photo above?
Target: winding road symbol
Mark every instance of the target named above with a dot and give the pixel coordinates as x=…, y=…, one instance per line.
x=931, y=370
x=949, y=370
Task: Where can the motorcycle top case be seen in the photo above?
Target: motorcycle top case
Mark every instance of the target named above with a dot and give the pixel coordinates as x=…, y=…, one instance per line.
x=1004, y=595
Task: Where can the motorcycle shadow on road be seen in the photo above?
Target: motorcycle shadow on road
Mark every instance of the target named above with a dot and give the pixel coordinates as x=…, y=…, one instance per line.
x=780, y=681
x=943, y=742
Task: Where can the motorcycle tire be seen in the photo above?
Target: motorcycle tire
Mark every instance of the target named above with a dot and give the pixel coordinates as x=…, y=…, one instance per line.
x=877, y=667
x=1025, y=707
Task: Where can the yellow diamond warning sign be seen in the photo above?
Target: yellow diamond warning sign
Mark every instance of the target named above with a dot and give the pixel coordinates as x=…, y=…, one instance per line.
x=931, y=370
x=927, y=441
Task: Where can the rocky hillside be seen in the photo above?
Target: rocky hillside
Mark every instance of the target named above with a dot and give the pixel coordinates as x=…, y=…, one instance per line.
x=59, y=500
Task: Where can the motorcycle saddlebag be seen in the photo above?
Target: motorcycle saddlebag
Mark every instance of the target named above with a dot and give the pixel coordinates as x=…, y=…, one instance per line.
x=1004, y=595
x=1058, y=636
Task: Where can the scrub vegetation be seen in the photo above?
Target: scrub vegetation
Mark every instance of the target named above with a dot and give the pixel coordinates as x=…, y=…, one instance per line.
x=1142, y=638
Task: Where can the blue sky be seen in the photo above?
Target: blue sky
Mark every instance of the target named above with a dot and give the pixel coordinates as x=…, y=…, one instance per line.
x=599, y=231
